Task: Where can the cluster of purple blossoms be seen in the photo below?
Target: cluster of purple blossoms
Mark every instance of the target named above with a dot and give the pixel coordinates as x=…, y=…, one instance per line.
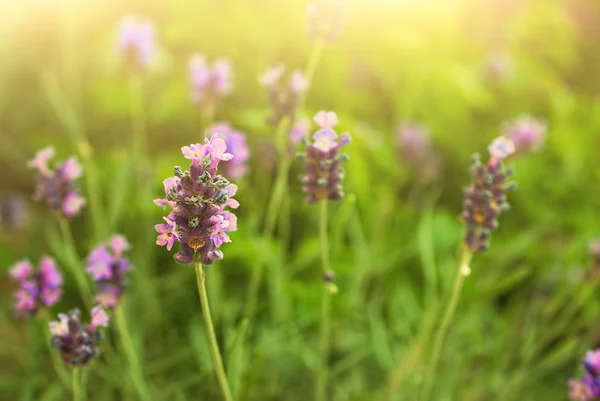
x=39, y=288
x=137, y=42
x=588, y=388
x=236, y=145
x=322, y=161
x=284, y=101
x=57, y=187
x=78, y=342
x=326, y=19
x=414, y=142
x=198, y=198
x=528, y=133
x=485, y=199
x=209, y=82
x=300, y=130
x=109, y=269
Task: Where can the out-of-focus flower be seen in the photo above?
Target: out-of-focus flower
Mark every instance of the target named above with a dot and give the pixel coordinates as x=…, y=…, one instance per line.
x=209, y=83
x=498, y=67
x=137, y=42
x=77, y=342
x=299, y=130
x=236, y=145
x=198, y=219
x=57, y=187
x=588, y=388
x=486, y=199
x=326, y=19
x=414, y=142
x=283, y=99
x=39, y=288
x=109, y=269
x=528, y=133
x=14, y=214
x=322, y=161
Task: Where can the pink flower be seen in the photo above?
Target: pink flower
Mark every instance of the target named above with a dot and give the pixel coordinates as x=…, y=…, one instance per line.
x=71, y=169
x=100, y=261
x=21, y=270
x=232, y=203
x=217, y=148
x=528, y=133
x=49, y=272
x=219, y=233
x=299, y=82
x=299, y=130
x=325, y=139
x=119, y=244
x=99, y=318
x=194, y=152
x=60, y=328
x=168, y=183
x=41, y=159
x=326, y=119
x=500, y=148
x=580, y=391
x=167, y=235
x=72, y=204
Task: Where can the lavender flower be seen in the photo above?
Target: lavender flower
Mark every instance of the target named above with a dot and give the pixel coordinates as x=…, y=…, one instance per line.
x=78, y=342
x=14, y=213
x=236, y=145
x=109, y=269
x=209, y=83
x=326, y=20
x=137, y=42
x=324, y=175
x=588, y=387
x=198, y=197
x=284, y=101
x=485, y=199
x=299, y=130
x=39, y=289
x=57, y=187
x=414, y=142
x=498, y=66
x=528, y=133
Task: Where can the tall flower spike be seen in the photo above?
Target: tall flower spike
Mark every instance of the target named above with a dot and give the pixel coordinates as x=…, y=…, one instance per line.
x=485, y=199
x=236, y=144
x=137, y=42
x=588, y=388
x=39, y=289
x=77, y=342
x=198, y=220
x=283, y=99
x=209, y=83
x=109, y=269
x=57, y=186
x=326, y=19
x=322, y=161
x=527, y=133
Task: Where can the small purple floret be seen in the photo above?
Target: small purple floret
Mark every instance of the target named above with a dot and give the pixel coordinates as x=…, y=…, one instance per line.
x=39, y=288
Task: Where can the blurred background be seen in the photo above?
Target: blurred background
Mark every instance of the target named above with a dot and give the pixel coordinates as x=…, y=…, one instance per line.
x=459, y=69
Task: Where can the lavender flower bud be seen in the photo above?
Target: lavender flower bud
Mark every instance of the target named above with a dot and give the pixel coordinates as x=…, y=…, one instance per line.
x=198, y=219
x=527, y=133
x=109, y=270
x=588, y=388
x=485, y=199
x=78, y=342
x=209, y=83
x=324, y=175
x=57, y=186
x=137, y=43
x=39, y=288
x=236, y=145
x=284, y=100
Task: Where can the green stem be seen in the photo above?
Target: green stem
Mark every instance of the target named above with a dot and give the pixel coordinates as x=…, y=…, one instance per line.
x=438, y=345
x=138, y=119
x=74, y=263
x=324, y=332
x=57, y=363
x=210, y=333
x=76, y=388
x=129, y=349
